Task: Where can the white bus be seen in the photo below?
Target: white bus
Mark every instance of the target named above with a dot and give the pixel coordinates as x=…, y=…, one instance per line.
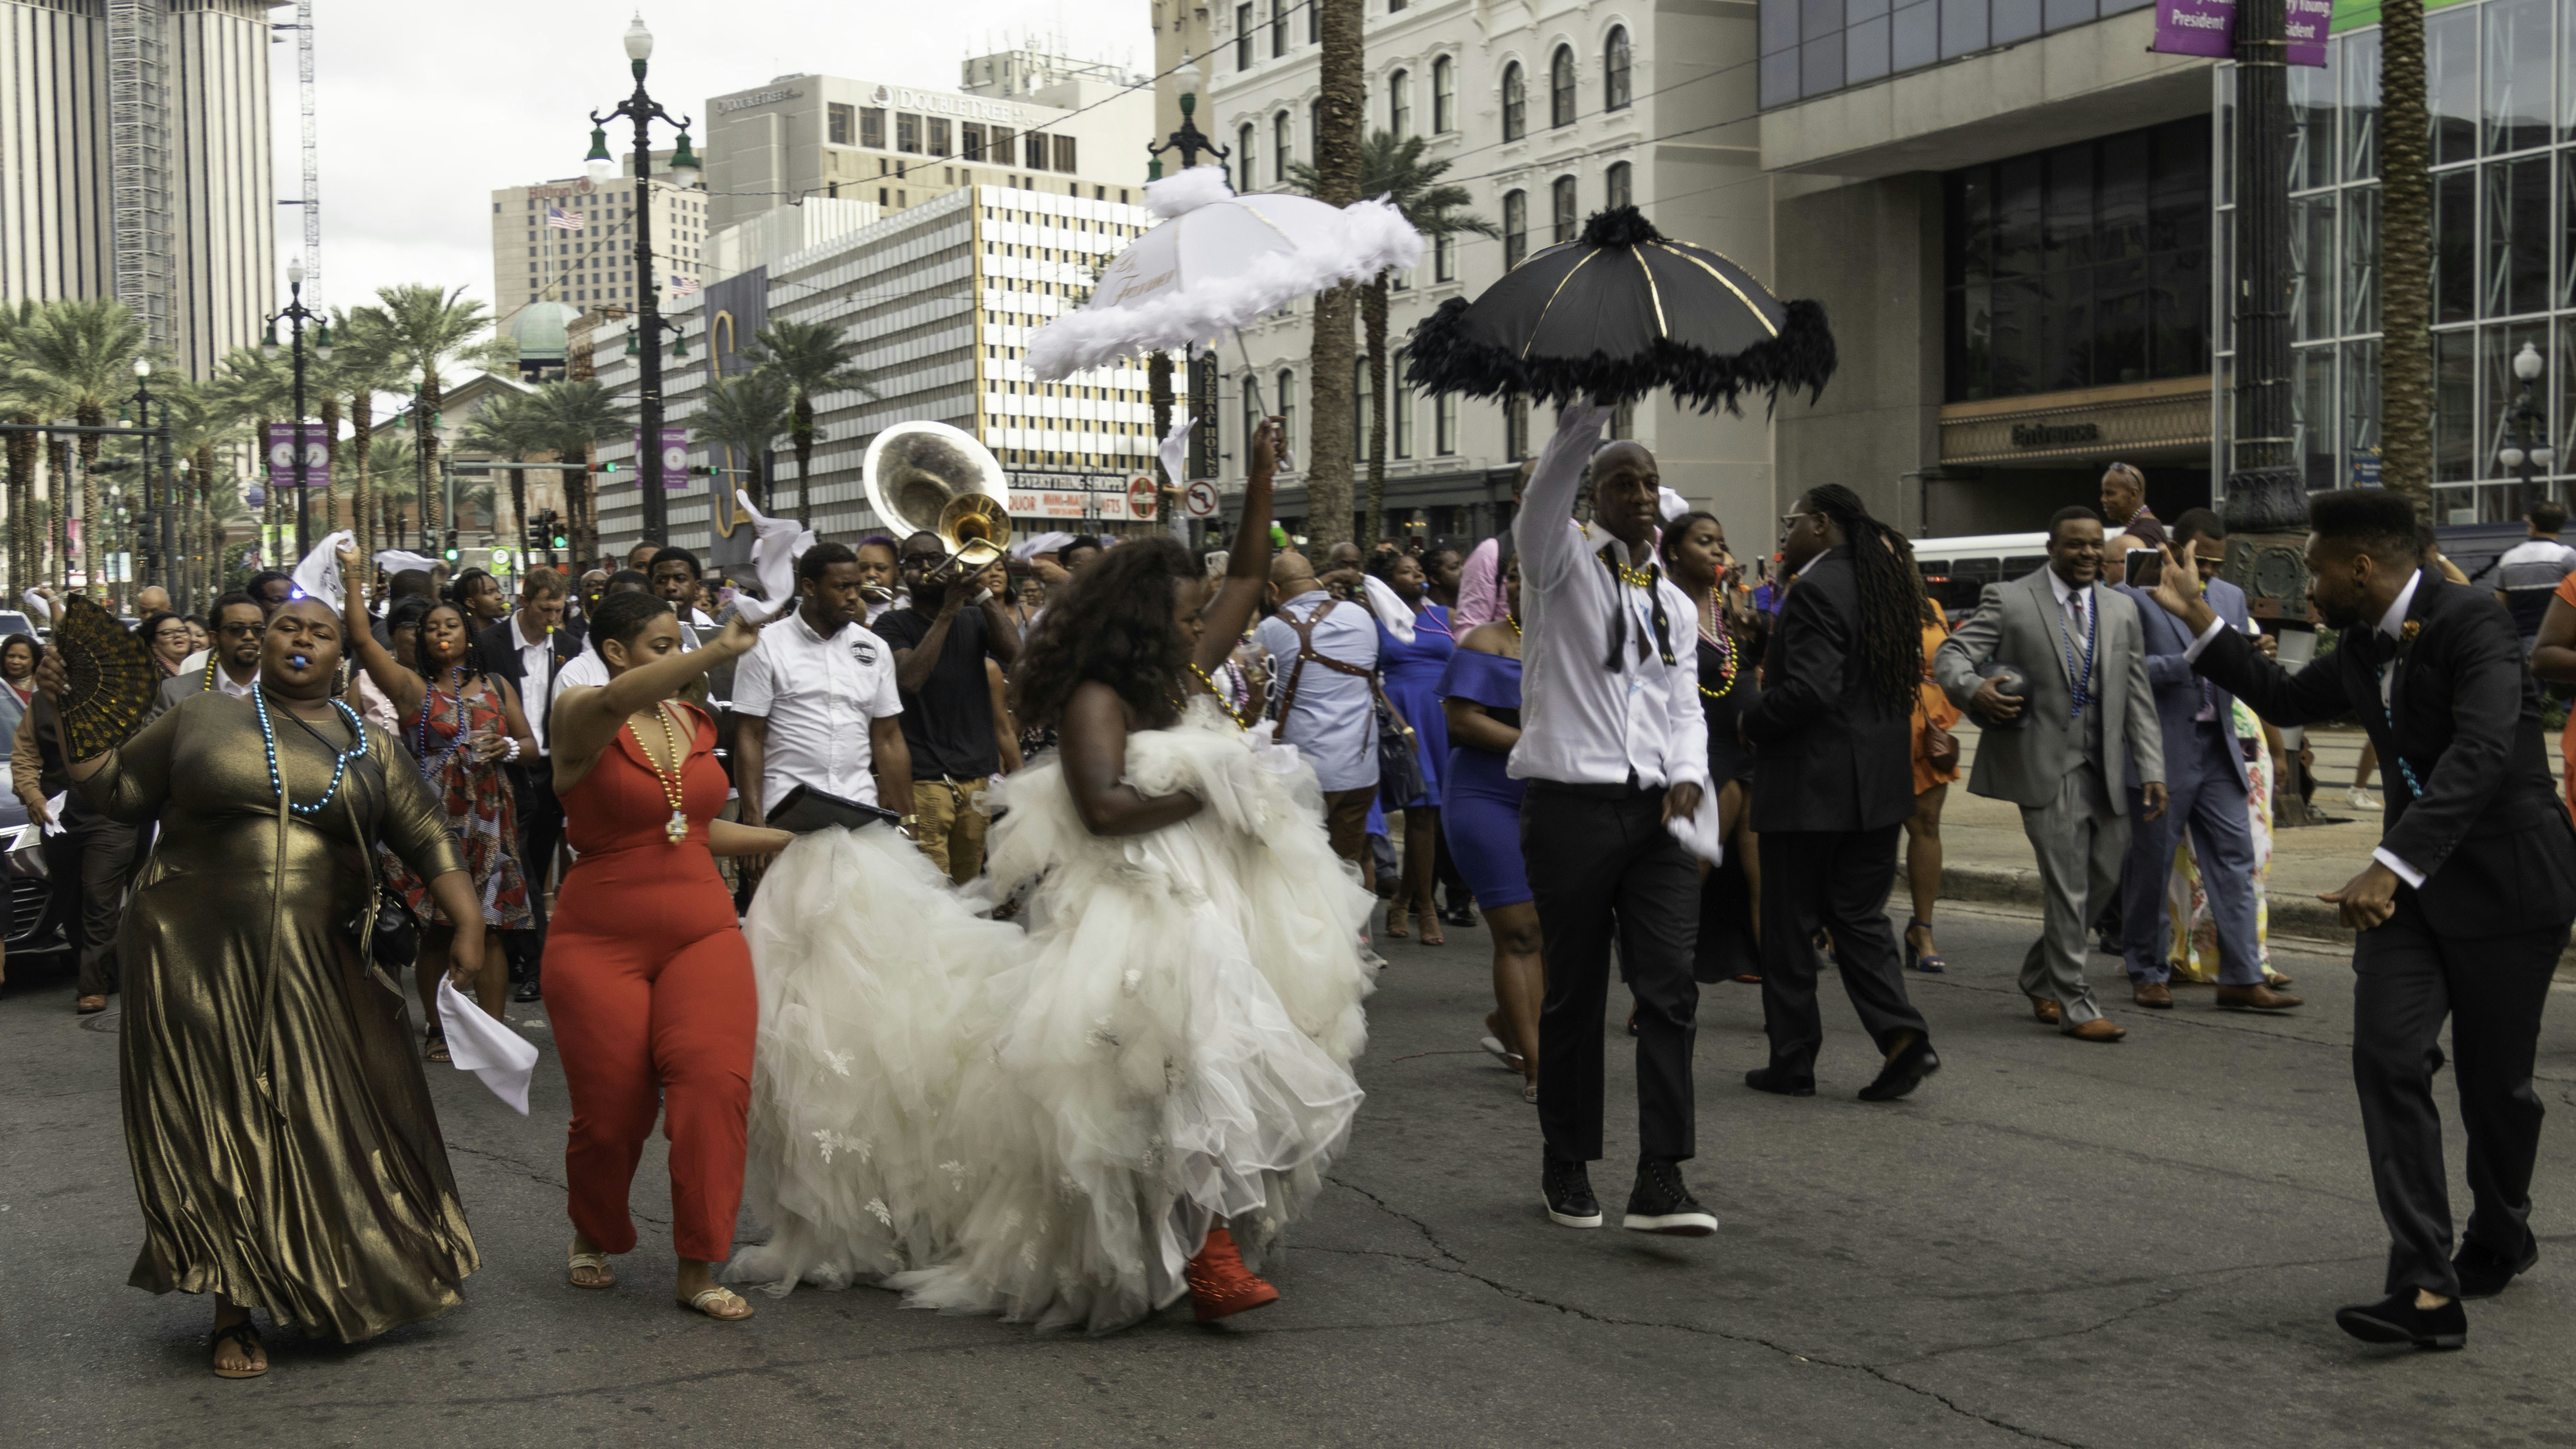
x=1957, y=570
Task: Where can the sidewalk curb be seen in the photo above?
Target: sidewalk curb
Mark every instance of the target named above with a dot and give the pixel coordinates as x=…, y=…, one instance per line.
x=2310, y=922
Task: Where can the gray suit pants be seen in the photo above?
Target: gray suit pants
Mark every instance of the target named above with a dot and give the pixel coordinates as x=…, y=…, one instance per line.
x=2080, y=841
x=2205, y=799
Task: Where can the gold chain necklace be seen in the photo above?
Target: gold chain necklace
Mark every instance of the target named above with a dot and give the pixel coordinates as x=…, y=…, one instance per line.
x=1713, y=628
x=677, y=828
x=1243, y=718
x=1643, y=578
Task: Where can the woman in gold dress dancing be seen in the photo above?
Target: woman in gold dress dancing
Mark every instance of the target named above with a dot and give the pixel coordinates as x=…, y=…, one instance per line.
x=284, y=1149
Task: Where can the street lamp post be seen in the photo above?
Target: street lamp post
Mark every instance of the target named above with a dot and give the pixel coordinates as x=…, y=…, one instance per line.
x=2525, y=418
x=643, y=110
x=1189, y=140
x=161, y=502
x=295, y=314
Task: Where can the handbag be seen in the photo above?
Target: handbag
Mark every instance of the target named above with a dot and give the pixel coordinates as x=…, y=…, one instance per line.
x=1940, y=746
x=1399, y=767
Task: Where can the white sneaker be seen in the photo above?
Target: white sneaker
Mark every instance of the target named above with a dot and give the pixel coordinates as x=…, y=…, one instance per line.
x=2360, y=799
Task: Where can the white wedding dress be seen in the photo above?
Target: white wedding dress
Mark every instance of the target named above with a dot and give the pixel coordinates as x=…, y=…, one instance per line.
x=1045, y=1125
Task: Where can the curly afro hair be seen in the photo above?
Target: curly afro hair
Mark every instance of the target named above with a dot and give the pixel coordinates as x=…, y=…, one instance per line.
x=1116, y=623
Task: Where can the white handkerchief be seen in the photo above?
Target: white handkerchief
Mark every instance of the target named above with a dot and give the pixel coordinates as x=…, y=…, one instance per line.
x=1389, y=609
x=775, y=547
x=42, y=612
x=318, y=577
x=1699, y=834
x=1038, y=543
x=1670, y=505
x=1176, y=452
x=485, y=1046
x=54, y=815
x=395, y=560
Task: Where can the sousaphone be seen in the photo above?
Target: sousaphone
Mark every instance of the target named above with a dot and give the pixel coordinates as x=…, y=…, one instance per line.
x=932, y=478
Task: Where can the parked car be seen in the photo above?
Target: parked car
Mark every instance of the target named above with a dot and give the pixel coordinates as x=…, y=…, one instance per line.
x=14, y=622
x=37, y=910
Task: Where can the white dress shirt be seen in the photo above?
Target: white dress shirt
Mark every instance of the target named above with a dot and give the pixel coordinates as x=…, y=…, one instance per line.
x=536, y=676
x=2392, y=624
x=819, y=695
x=1334, y=725
x=1581, y=723
x=585, y=669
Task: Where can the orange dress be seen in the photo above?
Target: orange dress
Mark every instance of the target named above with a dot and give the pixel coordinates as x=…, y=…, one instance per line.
x=649, y=990
x=1932, y=710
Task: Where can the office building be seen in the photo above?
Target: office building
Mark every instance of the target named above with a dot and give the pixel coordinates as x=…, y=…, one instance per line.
x=135, y=163
x=574, y=242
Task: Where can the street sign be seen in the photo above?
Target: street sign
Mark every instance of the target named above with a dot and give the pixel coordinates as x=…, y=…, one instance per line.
x=1140, y=498
x=281, y=455
x=675, y=457
x=1199, y=499
x=2365, y=468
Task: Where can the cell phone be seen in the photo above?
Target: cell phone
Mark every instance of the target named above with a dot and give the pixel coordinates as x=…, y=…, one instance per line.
x=2146, y=567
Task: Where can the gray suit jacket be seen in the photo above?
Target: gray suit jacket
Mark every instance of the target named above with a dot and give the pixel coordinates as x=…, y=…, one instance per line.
x=2177, y=687
x=2017, y=623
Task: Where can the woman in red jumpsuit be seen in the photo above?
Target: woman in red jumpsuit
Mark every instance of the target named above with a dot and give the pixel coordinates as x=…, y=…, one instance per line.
x=648, y=978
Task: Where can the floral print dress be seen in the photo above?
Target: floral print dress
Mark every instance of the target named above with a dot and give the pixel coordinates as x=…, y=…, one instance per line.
x=476, y=801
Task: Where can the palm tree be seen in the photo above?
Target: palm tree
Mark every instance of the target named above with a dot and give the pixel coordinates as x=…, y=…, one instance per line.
x=1395, y=170
x=25, y=397
x=1341, y=105
x=365, y=363
x=746, y=414
x=394, y=454
x=812, y=358
x=257, y=389
x=2405, y=259
x=84, y=350
x=578, y=416
x=511, y=425
x=428, y=330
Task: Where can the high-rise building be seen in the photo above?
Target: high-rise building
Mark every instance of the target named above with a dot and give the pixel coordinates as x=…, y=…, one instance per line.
x=574, y=242
x=135, y=162
x=1077, y=134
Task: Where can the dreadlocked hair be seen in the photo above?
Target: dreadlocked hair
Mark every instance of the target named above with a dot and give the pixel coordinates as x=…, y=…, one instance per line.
x=1116, y=623
x=1891, y=598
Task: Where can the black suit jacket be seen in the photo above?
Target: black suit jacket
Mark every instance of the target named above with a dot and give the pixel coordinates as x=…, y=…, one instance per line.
x=499, y=646
x=2489, y=833
x=1827, y=757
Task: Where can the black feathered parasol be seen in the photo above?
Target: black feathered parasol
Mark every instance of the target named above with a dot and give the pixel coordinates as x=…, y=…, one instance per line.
x=1617, y=313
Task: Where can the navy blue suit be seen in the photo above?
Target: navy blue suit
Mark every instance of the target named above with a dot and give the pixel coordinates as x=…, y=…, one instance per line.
x=2205, y=787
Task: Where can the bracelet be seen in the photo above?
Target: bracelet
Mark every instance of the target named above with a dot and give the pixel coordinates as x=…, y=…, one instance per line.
x=513, y=753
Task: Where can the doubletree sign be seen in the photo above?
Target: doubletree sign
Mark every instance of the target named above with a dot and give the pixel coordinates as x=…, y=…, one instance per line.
x=2054, y=435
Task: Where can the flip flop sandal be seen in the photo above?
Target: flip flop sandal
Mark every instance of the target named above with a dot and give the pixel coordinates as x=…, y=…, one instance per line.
x=707, y=1300
x=434, y=1046
x=247, y=1334
x=1501, y=1053
x=1529, y=1093
x=608, y=1278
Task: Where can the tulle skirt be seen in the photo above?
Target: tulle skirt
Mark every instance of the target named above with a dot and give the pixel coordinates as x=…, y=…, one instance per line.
x=1045, y=1125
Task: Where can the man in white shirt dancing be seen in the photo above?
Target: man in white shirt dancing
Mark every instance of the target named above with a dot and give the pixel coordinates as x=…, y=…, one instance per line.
x=815, y=700
x=1614, y=746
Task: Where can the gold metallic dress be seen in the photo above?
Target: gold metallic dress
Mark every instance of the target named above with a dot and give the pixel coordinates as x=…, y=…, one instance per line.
x=284, y=1147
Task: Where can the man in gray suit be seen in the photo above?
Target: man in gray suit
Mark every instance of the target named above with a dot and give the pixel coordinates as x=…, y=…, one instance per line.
x=2205, y=786
x=2055, y=750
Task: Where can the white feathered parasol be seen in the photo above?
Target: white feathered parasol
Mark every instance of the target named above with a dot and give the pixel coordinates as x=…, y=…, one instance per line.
x=1217, y=262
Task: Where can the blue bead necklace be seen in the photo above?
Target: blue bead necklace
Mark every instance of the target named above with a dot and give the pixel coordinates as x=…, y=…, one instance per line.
x=2092, y=638
x=340, y=758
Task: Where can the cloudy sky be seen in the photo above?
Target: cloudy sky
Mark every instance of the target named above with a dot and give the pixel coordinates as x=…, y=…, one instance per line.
x=424, y=109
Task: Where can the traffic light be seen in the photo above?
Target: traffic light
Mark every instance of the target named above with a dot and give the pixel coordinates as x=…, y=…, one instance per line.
x=603, y=467
x=451, y=545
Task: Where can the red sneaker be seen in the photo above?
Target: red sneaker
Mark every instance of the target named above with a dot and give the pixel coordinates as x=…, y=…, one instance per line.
x=1220, y=1285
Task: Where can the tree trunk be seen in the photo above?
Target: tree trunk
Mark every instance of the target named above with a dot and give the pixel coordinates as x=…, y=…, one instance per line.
x=2405, y=259
x=204, y=537
x=804, y=439
x=519, y=513
x=362, y=442
x=1373, y=327
x=425, y=444
x=22, y=492
x=585, y=537
x=330, y=465
x=1337, y=183
x=90, y=415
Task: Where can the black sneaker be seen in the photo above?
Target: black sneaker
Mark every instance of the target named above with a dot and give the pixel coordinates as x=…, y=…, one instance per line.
x=527, y=989
x=1567, y=1187
x=2484, y=1274
x=2396, y=1319
x=1661, y=1204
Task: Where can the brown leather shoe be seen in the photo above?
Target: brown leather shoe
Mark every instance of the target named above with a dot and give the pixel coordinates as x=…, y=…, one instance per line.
x=90, y=1005
x=2099, y=1029
x=2254, y=998
x=2046, y=1010
x=2153, y=995
x=2276, y=980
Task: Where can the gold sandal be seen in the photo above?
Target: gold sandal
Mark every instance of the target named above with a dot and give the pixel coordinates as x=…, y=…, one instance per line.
x=247, y=1334
x=708, y=1300
x=597, y=1261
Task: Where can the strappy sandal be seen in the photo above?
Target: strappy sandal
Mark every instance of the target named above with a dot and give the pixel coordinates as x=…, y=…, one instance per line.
x=575, y=1260
x=1429, y=923
x=708, y=1300
x=1921, y=960
x=246, y=1333
x=1395, y=923
x=434, y=1045
x=1501, y=1053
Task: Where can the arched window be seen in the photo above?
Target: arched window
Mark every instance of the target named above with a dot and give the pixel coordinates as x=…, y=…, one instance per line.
x=1288, y=411
x=1444, y=96
x=1560, y=87
x=1515, y=228
x=1561, y=209
x=1444, y=257
x=1614, y=70
x=1618, y=189
x=1399, y=103
x=1281, y=139
x=1315, y=125
x=1400, y=405
x=1515, y=103
x=1363, y=408
x=1244, y=178
x=1444, y=424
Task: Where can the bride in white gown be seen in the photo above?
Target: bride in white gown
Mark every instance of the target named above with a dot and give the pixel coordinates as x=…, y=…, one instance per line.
x=1076, y=1125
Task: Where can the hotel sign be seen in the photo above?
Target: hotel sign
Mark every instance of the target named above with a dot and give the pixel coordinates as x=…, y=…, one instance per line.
x=972, y=108
x=2168, y=419
x=731, y=104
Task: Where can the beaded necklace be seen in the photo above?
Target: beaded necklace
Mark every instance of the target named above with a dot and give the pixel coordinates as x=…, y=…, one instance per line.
x=1242, y=714
x=340, y=758
x=1712, y=627
x=2082, y=673
x=430, y=767
x=677, y=827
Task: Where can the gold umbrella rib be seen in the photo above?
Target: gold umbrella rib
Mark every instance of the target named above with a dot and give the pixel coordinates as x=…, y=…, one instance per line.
x=1653, y=292
x=1748, y=302
x=1551, y=302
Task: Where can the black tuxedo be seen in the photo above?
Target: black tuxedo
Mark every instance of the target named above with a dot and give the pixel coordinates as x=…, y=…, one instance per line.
x=2471, y=807
x=1833, y=780
x=532, y=784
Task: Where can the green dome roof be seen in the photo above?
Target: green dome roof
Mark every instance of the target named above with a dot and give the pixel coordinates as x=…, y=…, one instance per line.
x=542, y=329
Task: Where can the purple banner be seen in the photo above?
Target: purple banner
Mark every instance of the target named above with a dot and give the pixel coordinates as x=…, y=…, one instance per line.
x=2208, y=28
x=675, y=457
x=281, y=455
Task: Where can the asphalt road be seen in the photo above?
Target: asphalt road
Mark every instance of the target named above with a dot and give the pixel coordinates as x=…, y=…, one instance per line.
x=2054, y=1243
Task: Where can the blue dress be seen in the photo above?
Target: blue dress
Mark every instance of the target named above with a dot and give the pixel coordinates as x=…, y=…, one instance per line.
x=1411, y=676
x=1482, y=816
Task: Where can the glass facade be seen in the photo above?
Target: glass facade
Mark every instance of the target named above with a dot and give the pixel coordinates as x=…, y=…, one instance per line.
x=1810, y=47
x=2083, y=266
x=2500, y=79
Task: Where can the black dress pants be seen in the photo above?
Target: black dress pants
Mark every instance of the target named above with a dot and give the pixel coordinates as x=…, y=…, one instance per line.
x=2406, y=978
x=1599, y=858
x=1838, y=880
x=541, y=828
x=92, y=862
